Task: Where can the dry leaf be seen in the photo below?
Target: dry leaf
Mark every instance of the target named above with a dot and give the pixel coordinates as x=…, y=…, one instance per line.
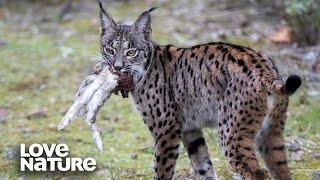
x=282, y=35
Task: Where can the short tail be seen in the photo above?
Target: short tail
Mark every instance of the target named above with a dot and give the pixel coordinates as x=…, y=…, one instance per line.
x=292, y=84
x=278, y=87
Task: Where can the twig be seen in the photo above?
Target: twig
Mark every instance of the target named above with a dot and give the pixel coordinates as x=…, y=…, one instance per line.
x=65, y=8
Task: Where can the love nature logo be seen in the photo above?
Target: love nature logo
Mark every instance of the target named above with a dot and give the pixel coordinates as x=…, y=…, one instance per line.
x=54, y=157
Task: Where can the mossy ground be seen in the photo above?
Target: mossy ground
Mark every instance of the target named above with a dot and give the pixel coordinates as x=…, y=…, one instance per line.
x=41, y=67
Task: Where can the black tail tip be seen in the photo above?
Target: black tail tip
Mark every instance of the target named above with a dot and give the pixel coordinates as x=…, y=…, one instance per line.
x=293, y=83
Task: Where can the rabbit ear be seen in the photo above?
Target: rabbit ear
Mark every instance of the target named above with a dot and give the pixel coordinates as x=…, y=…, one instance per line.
x=107, y=23
x=143, y=23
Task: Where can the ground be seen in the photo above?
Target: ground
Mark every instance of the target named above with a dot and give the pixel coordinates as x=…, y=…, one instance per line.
x=43, y=60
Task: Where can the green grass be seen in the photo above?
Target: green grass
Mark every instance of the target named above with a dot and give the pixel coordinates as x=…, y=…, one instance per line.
x=35, y=74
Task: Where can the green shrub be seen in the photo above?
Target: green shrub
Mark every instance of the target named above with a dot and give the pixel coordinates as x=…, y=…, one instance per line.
x=304, y=17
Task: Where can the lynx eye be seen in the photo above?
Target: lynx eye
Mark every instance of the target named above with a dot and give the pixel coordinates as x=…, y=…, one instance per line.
x=109, y=51
x=131, y=53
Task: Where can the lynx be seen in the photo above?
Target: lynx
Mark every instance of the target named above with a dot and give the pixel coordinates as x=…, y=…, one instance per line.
x=179, y=91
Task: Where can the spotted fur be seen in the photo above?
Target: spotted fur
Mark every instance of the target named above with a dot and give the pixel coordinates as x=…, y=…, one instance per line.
x=179, y=91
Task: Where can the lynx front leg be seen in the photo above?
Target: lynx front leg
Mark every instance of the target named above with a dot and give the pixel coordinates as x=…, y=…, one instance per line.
x=167, y=140
x=198, y=153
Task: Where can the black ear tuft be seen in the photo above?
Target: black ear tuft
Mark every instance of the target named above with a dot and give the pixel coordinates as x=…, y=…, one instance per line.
x=152, y=9
x=292, y=84
x=100, y=4
x=147, y=12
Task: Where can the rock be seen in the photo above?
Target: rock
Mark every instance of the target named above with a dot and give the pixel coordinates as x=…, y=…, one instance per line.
x=315, y=175
x=312, y=61
x=22, y=178
x=26, y=130
x=294, y=145
x=313, y=93
x=242, y=20
x=66, y=51
x=52, y=127
x=71, y=178
x=303, y=100
x=61, y=139
x=236, y=176
x=310, y=57
x=40, y=113
x=106, y=117
x=63, y=111
x=133, y=156
x=297, y=155
x=3, y=43
x=254, y=37
x=9, y=153
x=315, y=155
x=3, y=114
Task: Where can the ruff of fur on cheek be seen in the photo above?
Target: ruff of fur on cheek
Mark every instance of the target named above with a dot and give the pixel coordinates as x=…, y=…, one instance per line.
x=147, y=68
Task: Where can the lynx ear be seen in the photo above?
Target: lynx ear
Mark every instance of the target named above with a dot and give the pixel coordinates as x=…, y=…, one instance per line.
x=107, y=23
x=143, y=23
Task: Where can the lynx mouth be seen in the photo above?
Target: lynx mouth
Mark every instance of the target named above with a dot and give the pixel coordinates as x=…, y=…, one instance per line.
x=125, y=81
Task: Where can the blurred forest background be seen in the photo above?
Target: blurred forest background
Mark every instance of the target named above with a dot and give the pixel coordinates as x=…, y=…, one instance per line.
x=47, y=47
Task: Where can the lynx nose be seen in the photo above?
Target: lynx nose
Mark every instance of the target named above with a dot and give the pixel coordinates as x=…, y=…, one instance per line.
x=117, y=68
x=118, y=65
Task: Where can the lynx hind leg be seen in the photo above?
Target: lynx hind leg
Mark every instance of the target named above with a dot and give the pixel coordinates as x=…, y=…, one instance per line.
x=270, y=140
x=240, y=117
x=195, y=145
